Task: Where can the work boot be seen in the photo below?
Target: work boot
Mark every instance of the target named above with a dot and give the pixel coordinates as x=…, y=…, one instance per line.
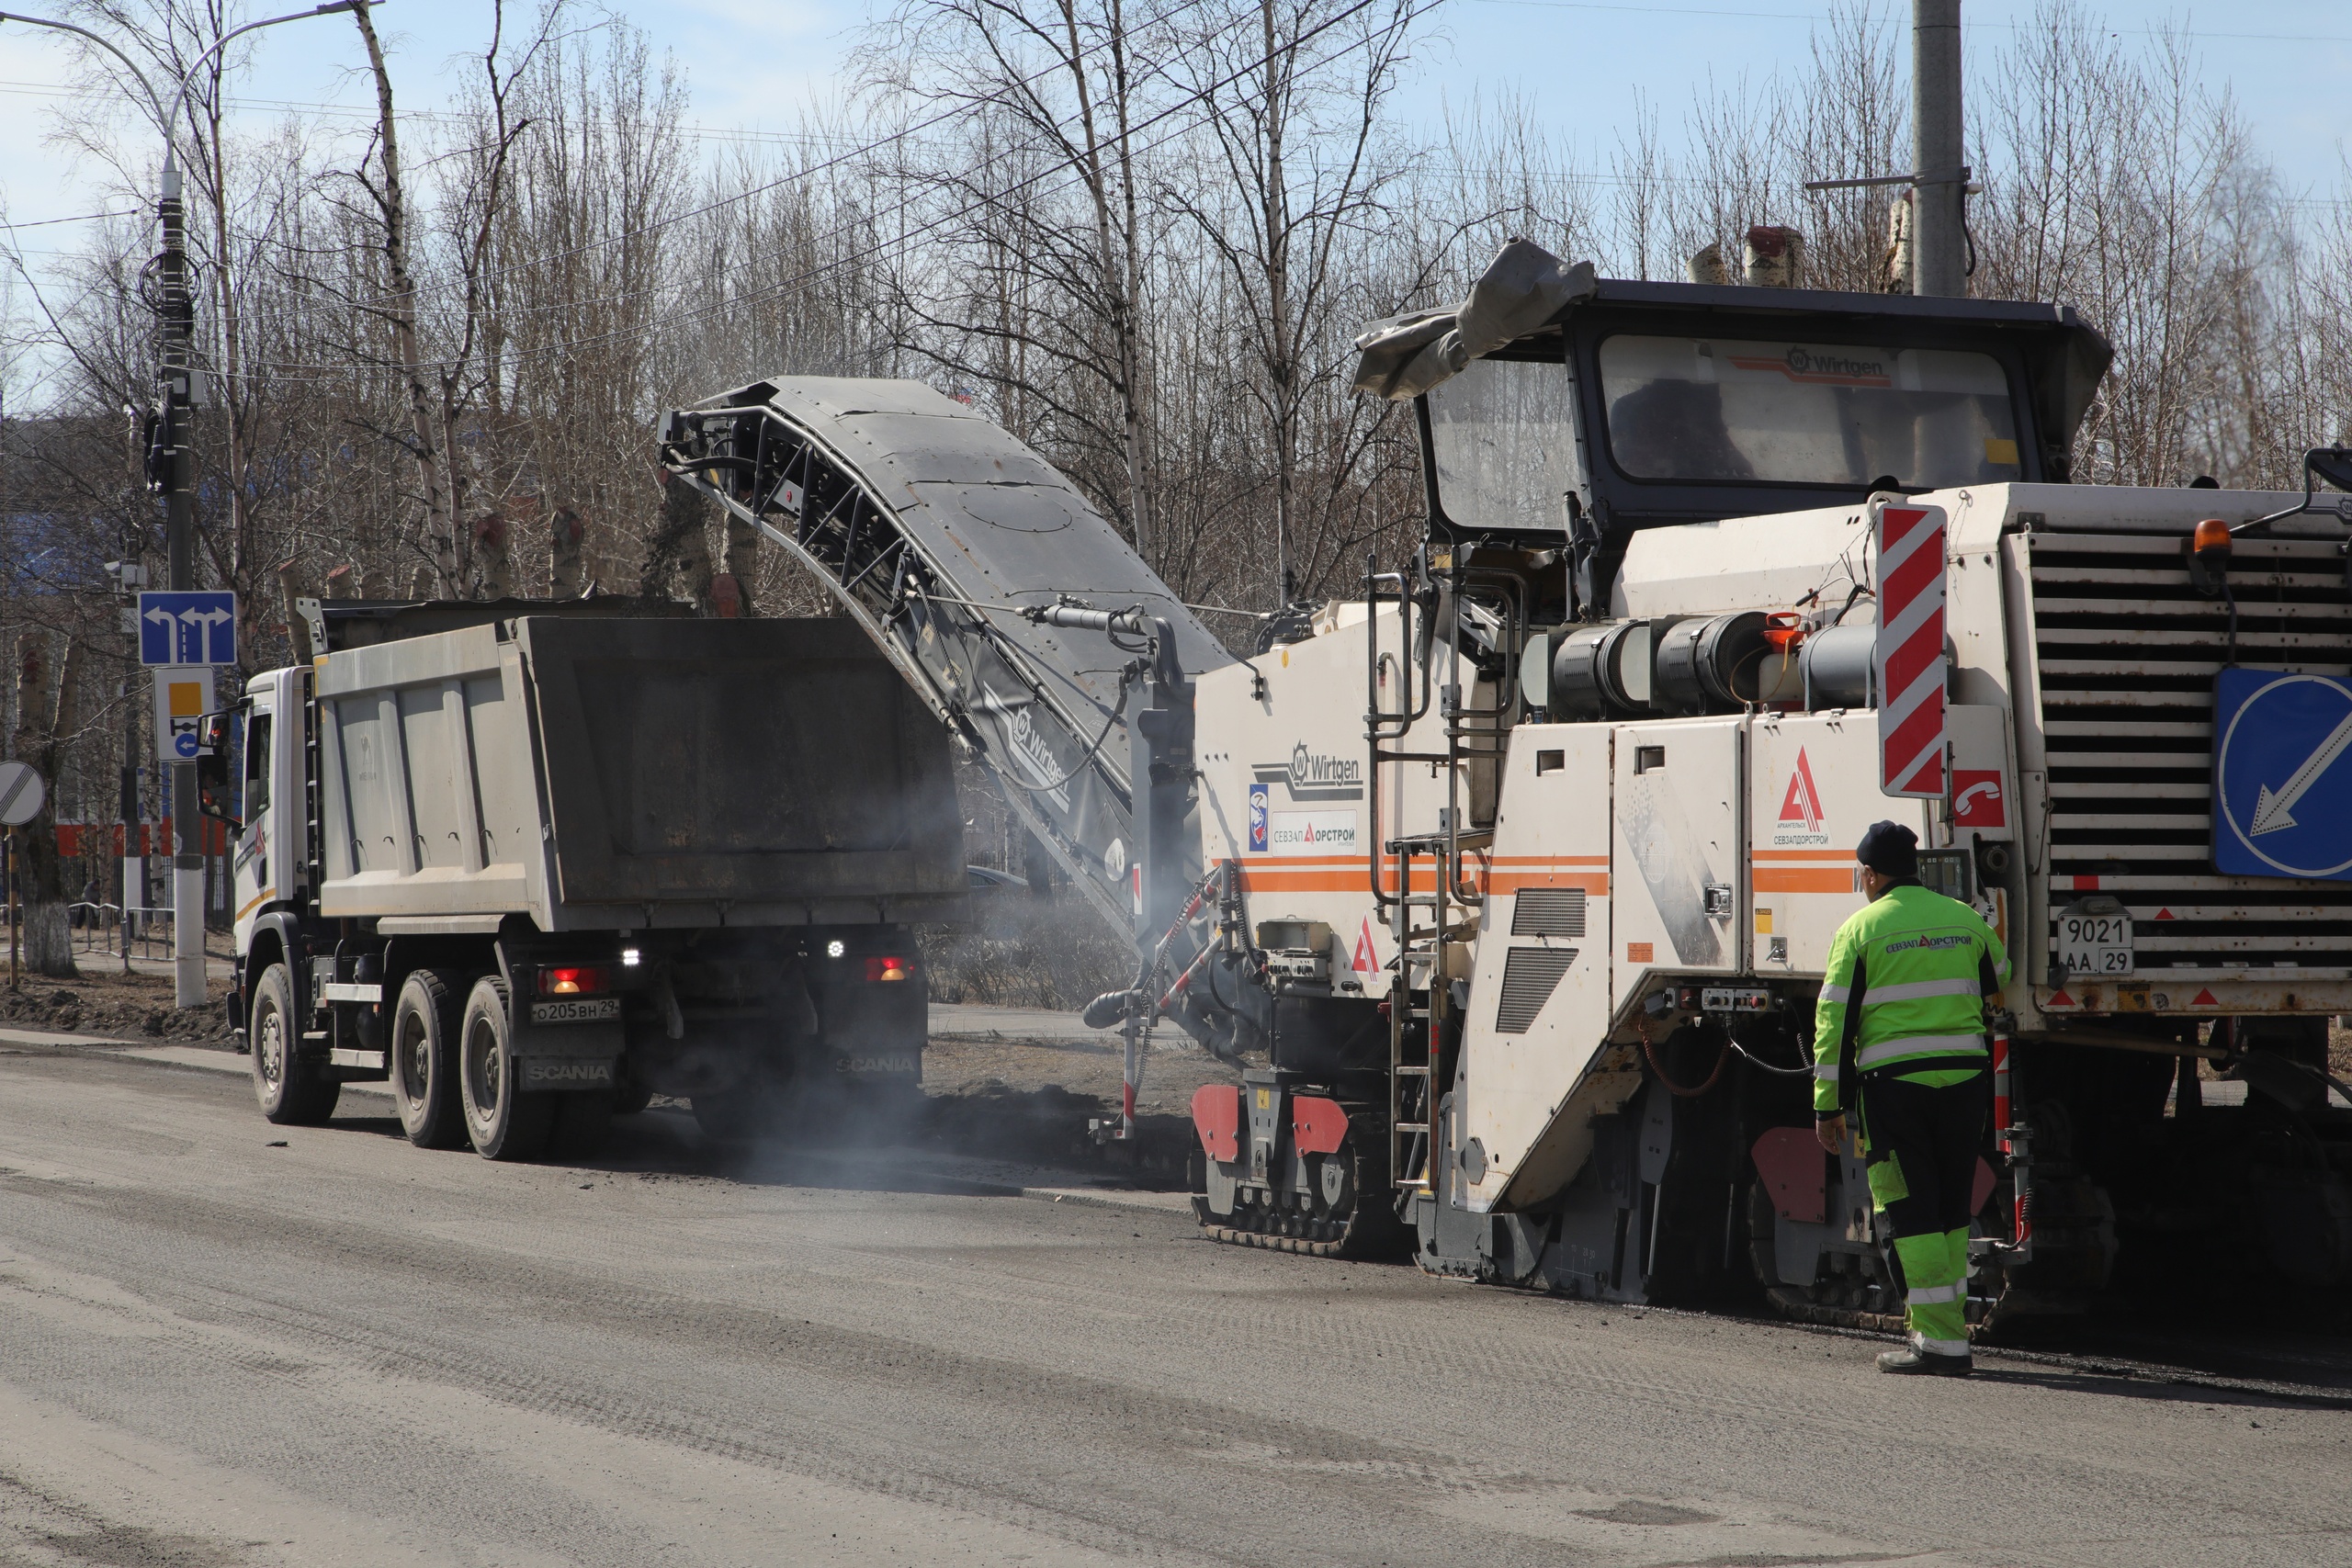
x=1912, y=1362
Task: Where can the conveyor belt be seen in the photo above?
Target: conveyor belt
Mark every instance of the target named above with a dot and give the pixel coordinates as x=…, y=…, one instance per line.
x=935, y=528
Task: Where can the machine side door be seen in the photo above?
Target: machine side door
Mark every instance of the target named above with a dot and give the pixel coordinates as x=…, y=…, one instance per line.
x=1679, y=840
x=1538, y=1016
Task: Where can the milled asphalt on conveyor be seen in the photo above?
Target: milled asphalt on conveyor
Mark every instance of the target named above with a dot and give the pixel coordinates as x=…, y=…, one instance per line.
x=214, y=1351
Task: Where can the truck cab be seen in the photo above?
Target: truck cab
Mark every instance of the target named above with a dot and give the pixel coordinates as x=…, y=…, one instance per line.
x=265, y=733
x=1645, y=405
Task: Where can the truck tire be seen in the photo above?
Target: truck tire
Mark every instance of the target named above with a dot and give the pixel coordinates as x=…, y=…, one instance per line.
x=292, y=1092
x=502, y=1121
x=425, y=1022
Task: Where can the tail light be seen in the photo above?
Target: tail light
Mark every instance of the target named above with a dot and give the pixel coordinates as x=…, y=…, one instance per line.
x=573, y=980
x=887, y=968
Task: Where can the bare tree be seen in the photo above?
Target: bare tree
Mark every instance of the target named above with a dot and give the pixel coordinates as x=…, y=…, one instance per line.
x=398, y=312
x=46, y=717
x=1066, y=83
x=1298, y=147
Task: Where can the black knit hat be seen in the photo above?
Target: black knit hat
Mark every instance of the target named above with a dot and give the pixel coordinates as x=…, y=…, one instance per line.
x=1890, y=849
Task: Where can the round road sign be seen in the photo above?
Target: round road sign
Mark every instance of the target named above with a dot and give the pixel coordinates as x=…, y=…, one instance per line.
x=21, y=794
x=2279, y=797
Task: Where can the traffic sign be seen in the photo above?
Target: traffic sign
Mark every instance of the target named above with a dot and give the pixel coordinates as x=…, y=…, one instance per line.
x=183, y=696
x=2282, y=785
x=21, y=794
x=188, y=628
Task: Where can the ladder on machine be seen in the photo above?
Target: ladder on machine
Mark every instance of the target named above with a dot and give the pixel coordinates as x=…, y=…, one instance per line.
x=1422, y=922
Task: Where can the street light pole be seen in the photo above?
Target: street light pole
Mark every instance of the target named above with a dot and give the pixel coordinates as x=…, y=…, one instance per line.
x=1938, y=222
x=172, y=458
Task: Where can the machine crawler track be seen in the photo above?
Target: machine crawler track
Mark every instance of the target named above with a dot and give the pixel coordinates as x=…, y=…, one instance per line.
x=1815, y=1305
x=1367, y=1230
x=1329, y=1239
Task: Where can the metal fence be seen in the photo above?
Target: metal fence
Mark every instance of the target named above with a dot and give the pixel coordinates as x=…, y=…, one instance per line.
x=101, y=927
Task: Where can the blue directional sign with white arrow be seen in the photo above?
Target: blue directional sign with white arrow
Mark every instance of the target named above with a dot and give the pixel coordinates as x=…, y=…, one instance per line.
x=188, y=628
x=2283, y=782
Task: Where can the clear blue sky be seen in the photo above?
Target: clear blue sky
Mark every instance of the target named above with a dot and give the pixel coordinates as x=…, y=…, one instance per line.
x=753, y=64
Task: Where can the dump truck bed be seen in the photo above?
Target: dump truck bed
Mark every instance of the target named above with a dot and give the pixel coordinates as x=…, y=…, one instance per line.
x=631, y=775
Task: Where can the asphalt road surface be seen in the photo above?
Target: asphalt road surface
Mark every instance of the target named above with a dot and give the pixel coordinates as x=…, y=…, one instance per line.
x=217, y=1351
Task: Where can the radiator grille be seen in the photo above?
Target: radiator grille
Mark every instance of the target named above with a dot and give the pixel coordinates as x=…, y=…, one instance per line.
x=1548, y=911
x=1529, y=976
x=2127, y=652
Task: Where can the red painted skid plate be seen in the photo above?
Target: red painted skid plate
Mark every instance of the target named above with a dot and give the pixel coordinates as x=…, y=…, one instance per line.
x=1790, y=1161
x=1217, y=1116
x=1318, y=1124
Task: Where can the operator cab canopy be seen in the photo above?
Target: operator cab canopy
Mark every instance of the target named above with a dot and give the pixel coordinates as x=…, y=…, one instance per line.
x=1557, y=408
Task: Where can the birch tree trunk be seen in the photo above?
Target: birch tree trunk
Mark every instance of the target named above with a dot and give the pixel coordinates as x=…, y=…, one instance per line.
x=400, y=314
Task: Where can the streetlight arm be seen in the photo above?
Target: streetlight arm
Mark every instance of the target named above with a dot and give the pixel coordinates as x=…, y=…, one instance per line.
x=187, y=76
x=169, y=122
x=153, y=104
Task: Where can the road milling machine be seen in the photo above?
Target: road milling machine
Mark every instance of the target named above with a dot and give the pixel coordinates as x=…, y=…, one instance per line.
x=1509, y=883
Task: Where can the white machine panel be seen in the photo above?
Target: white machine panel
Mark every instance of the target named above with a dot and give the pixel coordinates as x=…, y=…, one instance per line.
x=1679, y=849
x=1812, y=789
x=1539, y=1001
x=1283, y=790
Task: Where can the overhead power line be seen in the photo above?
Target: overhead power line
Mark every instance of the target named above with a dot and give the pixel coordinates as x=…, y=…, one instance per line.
x=1819, y=16
x=77, y=218
x=1186, y=101
x=861, y=149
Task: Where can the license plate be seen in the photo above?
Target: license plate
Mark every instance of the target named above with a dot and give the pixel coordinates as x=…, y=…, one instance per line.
x=2095, y=944
x=587, y=1010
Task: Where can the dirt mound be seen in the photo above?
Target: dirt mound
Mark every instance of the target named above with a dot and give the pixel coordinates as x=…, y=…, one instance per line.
x=137, y=1008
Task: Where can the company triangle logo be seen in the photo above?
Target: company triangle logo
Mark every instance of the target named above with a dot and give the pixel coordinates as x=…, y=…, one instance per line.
x=1801, y=805
x=1365, y=961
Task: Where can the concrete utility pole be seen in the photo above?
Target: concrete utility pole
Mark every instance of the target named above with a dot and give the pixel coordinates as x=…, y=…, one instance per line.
x=1940, y=239
x=171, y=471
x=176, y=396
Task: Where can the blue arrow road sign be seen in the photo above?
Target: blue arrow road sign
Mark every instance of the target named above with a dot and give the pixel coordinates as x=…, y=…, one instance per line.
x=188, y=628
x=2282, y=781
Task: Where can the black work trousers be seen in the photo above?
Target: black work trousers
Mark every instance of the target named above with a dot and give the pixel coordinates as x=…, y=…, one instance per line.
x=1924, y=1144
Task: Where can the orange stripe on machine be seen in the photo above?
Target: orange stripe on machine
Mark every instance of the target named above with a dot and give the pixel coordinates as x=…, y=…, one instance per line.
x=1803, y=879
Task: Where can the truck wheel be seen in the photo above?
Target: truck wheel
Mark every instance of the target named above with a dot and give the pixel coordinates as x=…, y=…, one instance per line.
x=424, y=1060
x=581, y=1122
x=630, y=1098
x=502, y=1121
x=293, y=1093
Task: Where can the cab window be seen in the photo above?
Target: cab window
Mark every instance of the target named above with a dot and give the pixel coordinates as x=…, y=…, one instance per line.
x=257, y=790
x=1751, y=409
x=1504, y=435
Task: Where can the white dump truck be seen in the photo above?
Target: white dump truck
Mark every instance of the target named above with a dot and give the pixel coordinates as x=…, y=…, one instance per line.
x=535, y=862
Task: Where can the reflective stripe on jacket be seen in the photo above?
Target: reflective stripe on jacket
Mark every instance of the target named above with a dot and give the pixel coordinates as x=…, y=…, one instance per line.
x=1909, y=977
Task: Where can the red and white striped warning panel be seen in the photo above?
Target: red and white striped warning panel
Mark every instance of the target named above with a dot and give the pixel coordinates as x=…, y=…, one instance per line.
x=1909, y=656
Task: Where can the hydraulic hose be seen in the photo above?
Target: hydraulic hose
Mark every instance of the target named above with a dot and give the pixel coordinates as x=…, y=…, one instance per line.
x=1649, y=1049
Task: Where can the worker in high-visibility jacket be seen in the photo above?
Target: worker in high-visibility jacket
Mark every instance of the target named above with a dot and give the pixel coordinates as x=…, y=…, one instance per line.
x=1899, y=1034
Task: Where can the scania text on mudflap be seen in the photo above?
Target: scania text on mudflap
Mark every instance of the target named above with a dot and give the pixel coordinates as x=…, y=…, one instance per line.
x=534, y=862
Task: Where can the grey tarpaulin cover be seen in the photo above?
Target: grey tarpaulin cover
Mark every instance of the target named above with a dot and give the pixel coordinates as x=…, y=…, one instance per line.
x=1524, y=287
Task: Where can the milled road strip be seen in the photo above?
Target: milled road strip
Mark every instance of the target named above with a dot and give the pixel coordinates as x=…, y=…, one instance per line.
x=381, y=1354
